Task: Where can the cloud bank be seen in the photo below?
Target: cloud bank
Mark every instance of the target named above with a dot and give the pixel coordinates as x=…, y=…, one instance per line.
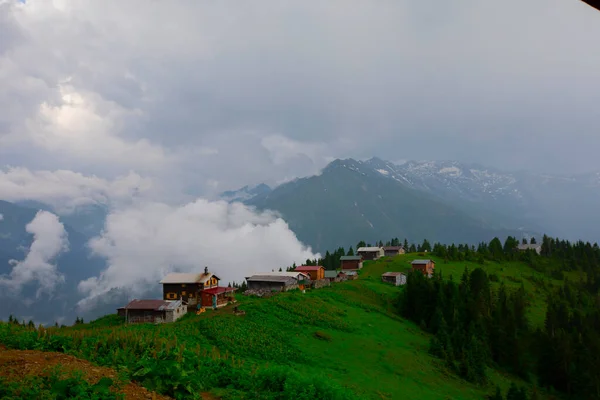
x=141, y=244
x=67, y=190
x=49, y=240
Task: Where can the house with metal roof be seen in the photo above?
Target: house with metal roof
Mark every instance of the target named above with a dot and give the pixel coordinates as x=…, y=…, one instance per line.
x=153, y=311
x=390, y=251
x=370, y=253
x=351, y=262
x=535, y=247
x=275, y=283
x=395, y=278
x=425, y=266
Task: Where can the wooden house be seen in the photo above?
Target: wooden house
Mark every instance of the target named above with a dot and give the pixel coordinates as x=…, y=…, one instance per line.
x=425, y=266
x=153, y=311
x=535, y=247
x=390, y=251
x=349, y=275
x=217, y=296
x=351, y=262
x=188, y=286
x=316, y=272
x=370, y=253
x=276, y=281
x=395, y=278
x=335, y=276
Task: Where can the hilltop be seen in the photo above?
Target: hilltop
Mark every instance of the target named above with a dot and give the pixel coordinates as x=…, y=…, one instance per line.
x=341, y=342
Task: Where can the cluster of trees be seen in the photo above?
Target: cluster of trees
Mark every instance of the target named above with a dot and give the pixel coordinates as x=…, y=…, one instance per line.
x=473, y=325
x=476, y=325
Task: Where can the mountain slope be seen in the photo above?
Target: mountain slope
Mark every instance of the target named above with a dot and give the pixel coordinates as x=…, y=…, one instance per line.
x=348, y=203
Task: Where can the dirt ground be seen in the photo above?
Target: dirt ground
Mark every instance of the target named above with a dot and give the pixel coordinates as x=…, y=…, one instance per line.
x=14, y=364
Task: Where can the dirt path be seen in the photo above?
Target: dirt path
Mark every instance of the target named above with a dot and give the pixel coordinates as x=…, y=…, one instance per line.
x=14, y=364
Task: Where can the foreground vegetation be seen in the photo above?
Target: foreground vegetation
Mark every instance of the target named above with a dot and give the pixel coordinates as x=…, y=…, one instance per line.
x=356, y=339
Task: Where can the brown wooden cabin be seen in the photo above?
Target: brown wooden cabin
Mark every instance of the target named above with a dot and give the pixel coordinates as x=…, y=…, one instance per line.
x=316, y=272
x=218, y=296
x=188, y=286
x=395, y=278
x=349, y=275
x=351, y=262
x=425, y=266
x=390, y=251
x=277, y=281
x=370, y=253
x=153, y=311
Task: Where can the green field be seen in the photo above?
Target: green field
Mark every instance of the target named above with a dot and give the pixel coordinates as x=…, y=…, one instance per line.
x=346, y=335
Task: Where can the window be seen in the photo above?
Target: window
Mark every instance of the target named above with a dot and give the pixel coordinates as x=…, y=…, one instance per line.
x=183, y=293
x=183, y=285
x=171, y=296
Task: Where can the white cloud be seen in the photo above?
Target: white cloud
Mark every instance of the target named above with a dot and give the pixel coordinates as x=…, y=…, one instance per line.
x=66, y=190
x=1, y=217
x=49, y=240
x=141, y=244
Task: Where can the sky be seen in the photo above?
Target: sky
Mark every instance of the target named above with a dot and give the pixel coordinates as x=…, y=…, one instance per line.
x=156, y=102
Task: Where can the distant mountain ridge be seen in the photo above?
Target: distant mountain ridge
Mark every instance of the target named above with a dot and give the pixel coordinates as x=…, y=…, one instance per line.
x=495, y=202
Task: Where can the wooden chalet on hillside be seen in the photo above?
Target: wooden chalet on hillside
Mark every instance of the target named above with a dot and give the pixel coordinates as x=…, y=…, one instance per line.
x=425, y=266
x=349, y=275
x=370, y=253
x=277, y=281
x=395, y=278
x=153, y=311
x=200, y=290
x=535, y=247
x=335, y=276
x=351, y=262
x=390, y=251
x=316, y=272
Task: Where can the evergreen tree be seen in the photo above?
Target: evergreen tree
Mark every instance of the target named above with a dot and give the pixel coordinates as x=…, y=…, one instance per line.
x=350, y=251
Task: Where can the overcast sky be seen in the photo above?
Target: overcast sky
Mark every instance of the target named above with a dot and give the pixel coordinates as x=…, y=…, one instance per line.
x=208, y=96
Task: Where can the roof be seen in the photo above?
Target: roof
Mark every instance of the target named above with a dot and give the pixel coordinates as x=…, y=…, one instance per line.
x=291, y=274
x=177, y=277
x=422, y=261
x=272, y=278
x=154, y=305
x=368, y=249
x=346, y=272
x=392, y=274
x=529, y=246
x=331, y=274
x=392, y=248
x=350, y=258
x=309, y=268
x=219, y=290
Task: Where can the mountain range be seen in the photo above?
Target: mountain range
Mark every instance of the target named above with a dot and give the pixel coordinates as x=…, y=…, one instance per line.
x=449, y=201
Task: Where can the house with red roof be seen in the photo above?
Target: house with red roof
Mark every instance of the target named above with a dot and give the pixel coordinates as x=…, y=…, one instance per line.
x=316, y=272
x=218, y=296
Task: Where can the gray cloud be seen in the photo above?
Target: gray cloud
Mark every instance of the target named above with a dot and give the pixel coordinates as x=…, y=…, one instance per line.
x=164, y=88
x=142, y=243
x=49, y=240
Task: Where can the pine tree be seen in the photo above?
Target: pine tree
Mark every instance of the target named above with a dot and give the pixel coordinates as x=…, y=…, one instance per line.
x=497, y=395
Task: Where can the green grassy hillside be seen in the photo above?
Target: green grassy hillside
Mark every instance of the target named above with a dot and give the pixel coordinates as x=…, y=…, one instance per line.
x=339, y=341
